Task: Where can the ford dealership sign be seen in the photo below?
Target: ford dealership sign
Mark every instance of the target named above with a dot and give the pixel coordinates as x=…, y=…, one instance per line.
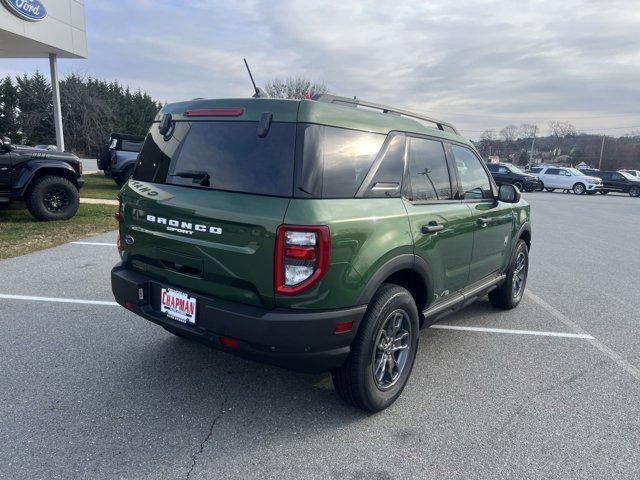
x=31, y=10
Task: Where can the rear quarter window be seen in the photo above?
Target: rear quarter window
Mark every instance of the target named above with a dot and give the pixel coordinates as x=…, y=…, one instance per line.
x=335, y=161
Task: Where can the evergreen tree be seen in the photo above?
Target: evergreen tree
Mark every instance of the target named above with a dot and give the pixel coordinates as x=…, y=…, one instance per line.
x=9, y=110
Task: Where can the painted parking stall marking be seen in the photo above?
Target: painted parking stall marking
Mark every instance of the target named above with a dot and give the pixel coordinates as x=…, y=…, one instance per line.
x=182, y=307
x=56, y=300
x=583, y=336
x=99, y=244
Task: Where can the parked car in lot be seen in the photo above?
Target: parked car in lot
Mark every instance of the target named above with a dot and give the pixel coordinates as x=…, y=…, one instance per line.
x=612, y=181
x=635, y=173
x=315, y=234
x=506, y=174
x=566, y=178
x=118, y=157
x=48, y=181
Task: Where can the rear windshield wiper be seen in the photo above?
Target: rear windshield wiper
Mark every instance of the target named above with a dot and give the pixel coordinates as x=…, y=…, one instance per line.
x=198, y=176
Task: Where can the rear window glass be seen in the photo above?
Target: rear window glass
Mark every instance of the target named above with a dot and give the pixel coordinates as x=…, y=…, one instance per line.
x=230, y=155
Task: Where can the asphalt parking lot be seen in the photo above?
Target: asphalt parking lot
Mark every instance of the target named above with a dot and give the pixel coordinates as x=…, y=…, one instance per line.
x=88, y=390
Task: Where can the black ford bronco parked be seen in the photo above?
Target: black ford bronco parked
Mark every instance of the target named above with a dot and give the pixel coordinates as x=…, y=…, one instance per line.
x=47, y=180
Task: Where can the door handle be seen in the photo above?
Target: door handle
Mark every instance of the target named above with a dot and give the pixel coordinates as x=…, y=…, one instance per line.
x=433, y=227
x=484, y=221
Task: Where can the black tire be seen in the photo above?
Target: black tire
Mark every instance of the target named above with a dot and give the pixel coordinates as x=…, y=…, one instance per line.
x=519, y=186
x=540, y=187
x=591, y=192
x=354, y=381
x=506, y=296
x=53, y=198
x=126, y=175
x=634, y=192
x=550, y=189
x=579, y=189
x=604, y=192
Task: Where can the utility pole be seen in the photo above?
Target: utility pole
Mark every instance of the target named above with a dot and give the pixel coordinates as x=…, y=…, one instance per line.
x=601, y=150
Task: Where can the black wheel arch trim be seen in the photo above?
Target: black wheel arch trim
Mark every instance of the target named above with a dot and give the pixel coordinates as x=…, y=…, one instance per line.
x=407, y=261
x=525, y=227
x=32, y=170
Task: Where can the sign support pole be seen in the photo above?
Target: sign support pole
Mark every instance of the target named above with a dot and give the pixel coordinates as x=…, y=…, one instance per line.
x=57, y=111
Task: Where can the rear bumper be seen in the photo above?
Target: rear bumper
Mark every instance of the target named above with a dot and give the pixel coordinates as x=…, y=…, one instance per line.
x=294, y=339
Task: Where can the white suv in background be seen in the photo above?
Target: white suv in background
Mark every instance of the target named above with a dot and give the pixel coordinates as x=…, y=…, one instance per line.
x=566, y=178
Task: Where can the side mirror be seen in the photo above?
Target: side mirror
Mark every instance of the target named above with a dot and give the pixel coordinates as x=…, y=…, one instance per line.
x=508, y=194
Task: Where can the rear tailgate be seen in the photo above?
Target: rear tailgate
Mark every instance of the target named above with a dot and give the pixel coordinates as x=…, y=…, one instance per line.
x=214, y=243
x=207, y=197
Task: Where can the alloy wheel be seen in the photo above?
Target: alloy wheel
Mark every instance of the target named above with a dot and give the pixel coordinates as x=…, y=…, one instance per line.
x=56, y=200
x=391, y=349
x=519, y=274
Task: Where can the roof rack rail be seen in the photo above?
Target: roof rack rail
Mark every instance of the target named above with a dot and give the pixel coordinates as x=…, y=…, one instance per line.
x=355, y=102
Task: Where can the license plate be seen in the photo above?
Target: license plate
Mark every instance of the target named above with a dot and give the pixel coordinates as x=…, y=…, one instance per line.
x=178, y=305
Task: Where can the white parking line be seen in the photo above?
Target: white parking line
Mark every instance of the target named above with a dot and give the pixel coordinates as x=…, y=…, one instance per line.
x=56, y=300
x=616, y=357
x=95, y=243
x=513, y=332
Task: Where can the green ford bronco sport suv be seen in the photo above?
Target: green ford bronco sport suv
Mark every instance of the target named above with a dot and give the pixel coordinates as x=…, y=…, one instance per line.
x=317, y=235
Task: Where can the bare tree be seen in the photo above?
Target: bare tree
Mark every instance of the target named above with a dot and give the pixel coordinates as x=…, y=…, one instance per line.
x=561, y=130
x=528, y=130
x=510, y=133
x=294, y=88
x=488, y=135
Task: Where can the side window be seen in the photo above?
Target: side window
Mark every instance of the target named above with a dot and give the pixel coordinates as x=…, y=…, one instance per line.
x=386, y=181
x=616, y=177
x=428, y=177
x=473, y=178
x=493, y=168
x=552, y=171
x=348, y=156
x=504, y=170
x=129, y=146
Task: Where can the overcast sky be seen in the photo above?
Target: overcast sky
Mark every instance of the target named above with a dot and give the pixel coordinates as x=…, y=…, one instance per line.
x=478, y=64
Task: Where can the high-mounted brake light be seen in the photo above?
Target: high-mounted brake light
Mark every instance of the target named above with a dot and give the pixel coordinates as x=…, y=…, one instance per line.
x=302, y=257
x=214, y=112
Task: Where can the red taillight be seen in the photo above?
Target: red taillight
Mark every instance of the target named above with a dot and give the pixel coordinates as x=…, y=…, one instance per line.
x=114, y=159
x=300, y=253
x=302, y=258
x=214, y=112
x=228, y=342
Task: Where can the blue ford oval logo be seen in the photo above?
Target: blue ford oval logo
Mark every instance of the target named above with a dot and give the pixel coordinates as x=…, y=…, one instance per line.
x=31, y=10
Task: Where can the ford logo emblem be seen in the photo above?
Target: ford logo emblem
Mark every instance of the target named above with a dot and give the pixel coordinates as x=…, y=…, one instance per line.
x=31, y=10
